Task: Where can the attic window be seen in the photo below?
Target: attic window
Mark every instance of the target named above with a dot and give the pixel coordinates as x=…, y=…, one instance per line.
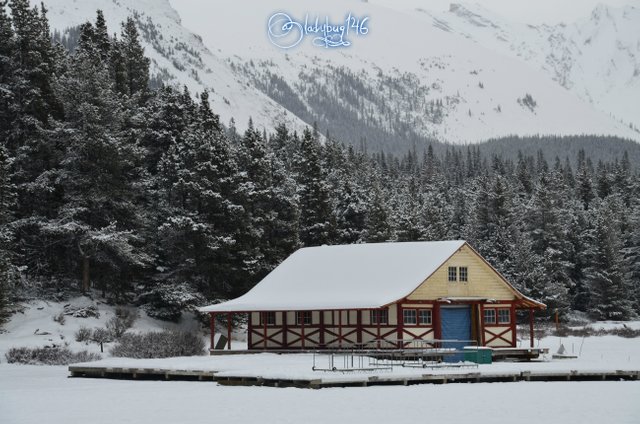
x=464, y=273
x=453, y=273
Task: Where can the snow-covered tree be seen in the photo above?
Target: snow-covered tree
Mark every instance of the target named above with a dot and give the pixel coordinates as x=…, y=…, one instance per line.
x=316, y=224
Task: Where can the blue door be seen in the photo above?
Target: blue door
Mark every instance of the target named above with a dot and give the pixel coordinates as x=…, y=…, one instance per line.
x=456, y=325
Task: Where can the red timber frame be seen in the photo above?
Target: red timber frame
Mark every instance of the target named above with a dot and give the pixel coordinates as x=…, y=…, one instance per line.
x=496, y=333
x=347, y=328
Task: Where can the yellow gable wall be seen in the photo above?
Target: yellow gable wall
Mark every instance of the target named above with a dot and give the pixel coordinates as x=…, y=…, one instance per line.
x=483, y=281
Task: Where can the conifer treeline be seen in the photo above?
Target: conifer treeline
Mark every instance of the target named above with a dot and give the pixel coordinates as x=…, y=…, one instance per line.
x=146, y=196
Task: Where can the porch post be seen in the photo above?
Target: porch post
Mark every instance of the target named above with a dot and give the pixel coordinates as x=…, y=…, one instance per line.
x=359, y=327
x=301, y=318
x=212, y=324
x=249, y=331
x=339, y=328
x=437, y=323
x=378, y=329
x=531, y=327
x=263, y=315
x=285, y=329
x=399, y=324
x=228, y=330
x=321, y=335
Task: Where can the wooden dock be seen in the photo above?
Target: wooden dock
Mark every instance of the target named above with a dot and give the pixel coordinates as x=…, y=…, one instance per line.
x=351, y=380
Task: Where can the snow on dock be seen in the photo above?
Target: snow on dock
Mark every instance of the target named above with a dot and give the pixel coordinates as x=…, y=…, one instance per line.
x=295, y=370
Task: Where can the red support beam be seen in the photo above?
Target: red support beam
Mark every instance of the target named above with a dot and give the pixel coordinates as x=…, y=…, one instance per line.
x=378, y=312
x=339, y=328
x=400, y=325
x=301, y=318
x=321, y=335
x=531, y=335
x=512, y=320
x=249, y=331
x=263, y=316
x=285, y=329
x=437, y=321
x=359, y=326
x=229, y=330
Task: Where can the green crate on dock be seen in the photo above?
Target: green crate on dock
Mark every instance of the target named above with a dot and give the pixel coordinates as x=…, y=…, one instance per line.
x=479, y=355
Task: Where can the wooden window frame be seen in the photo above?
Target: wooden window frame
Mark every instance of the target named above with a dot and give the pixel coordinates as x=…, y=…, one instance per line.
x=265, y=316
x=452, y=271
x=307, y=318
x=494, y=314
x=405, y=312
x=429, y=315
x=384, y=317
x=505, y=312
x=466, y=274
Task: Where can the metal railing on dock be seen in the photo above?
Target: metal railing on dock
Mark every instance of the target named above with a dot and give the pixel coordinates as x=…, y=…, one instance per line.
x=380, y=355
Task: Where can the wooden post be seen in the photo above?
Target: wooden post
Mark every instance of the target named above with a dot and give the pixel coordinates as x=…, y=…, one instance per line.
x=264, y=328
x=514, y=327
x=249, y=330
x=399, y=325
x=285, y=329
x=301, y=319
x=437, y=322
x=212, y=324
x=228, y=330
x=339, y=328
x=321, y=335
x=531, y=327
x=378, y=329
x=359, y=327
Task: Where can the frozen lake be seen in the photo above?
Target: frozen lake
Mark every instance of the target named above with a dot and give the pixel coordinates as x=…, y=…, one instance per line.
x=39, y=394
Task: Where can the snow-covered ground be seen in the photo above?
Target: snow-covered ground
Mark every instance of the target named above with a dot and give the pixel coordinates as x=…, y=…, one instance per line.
x=605, y=353
x=35, y=326
x=30, y=394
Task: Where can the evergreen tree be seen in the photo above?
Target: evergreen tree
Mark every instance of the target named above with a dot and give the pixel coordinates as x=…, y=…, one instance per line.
x=409, y=216
x=8, y=105
x=316, y=224
x=198, y=179
x=136, y=63
x=632, y=259
x=101, y=39
x=97, y=175
x=7, y=191
x=378, y=215
x=547, y=230
x=350, y=213
x=604, y=274
x=584, y=185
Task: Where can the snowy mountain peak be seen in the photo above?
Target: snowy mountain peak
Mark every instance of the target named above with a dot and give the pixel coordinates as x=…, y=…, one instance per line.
x=471, y=81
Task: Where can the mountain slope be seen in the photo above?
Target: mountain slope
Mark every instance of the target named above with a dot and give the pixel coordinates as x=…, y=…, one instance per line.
x=482, y=91
x=178, y=56
x=597, y=58
x=407, y=82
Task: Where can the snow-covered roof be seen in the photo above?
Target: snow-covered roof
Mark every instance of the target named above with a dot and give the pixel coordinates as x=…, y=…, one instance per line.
x=358, y=276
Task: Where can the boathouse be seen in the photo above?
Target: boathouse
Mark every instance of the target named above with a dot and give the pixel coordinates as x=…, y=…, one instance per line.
x=381, y=295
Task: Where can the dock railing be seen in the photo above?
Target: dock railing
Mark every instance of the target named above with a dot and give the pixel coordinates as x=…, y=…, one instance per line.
x=385, y=354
